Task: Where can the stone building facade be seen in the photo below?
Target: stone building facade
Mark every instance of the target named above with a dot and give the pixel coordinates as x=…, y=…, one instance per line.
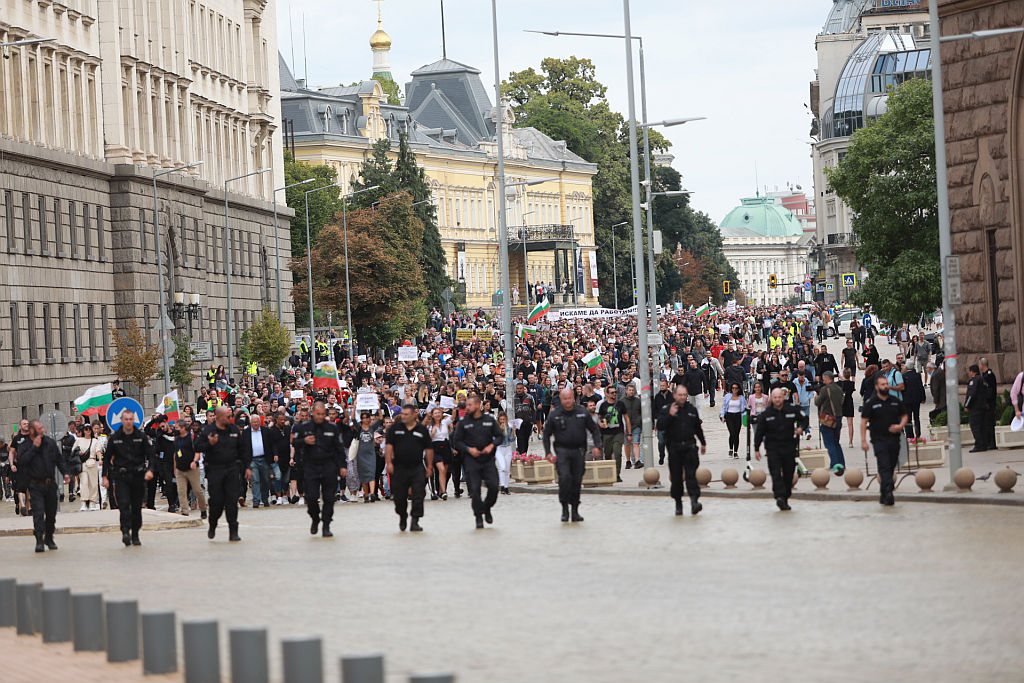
x=983, y=93
x=126, y=89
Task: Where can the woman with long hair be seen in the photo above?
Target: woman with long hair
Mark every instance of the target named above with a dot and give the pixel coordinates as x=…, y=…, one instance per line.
x=89, y=450
x=503, y=453
x=733, y=407
x=848, y=386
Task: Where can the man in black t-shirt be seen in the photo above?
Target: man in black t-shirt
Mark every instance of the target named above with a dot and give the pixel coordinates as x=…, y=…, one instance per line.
x=407, y=443
x=887, y=416
x=610, y=417
x=19, y=481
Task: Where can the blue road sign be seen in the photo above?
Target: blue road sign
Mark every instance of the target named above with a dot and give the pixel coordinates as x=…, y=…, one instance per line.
x=830, y=287
x=849, y=279
x=115, y=409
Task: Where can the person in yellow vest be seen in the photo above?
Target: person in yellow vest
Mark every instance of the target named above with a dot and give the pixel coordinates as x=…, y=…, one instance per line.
x=303, y=347
x=211, y=376
x=251, y=369
x=775, y=341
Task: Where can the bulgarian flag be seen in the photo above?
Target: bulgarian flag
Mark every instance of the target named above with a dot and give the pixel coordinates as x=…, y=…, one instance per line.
x=523, y=330
x=593, y=361
x=169, y=406
x=714, y=314
x=95, y=400
x=539, y=311
x=702, y=310
x=326, y=376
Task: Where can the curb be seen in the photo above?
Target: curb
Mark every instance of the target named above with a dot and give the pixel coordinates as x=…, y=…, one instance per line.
x=152, y=526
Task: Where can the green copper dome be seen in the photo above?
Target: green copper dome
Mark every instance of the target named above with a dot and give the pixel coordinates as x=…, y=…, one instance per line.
x=763, y=217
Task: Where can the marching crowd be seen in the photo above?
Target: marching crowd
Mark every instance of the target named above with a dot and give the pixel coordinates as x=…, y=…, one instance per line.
x=445, y=421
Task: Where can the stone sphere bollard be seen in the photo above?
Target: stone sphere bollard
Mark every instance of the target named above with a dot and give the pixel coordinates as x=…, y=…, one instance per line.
x=757, y=478
x=925, y=480
x=652, y=476
x=853, y=478
x=819, y=478
x=703, y=477
x=730, y=477
x=964, y=479
x=1006, y=480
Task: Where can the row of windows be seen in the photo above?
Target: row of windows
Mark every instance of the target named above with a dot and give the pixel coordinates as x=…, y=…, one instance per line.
x=44, y=333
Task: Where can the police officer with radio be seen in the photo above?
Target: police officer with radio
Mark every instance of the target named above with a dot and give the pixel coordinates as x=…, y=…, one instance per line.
x=407, y=443
x=887, y=416
x=127, y=463
x=569, y=424
x=477, y=437
x=225, y=458
x=38, y=458
x=778, y=427
x=320, y=453
x=682, y=431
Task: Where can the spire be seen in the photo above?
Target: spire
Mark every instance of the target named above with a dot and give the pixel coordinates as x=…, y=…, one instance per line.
x=380, y=43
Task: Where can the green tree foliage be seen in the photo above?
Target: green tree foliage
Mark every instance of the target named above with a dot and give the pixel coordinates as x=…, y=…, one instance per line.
x=322, y=205
x=266, y=342
x=888, y=179
x=181, y=370
x=135, y=359
x=391, y=89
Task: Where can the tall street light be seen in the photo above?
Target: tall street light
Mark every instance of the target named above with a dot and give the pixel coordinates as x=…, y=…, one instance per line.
x=160, y=267
x=309, y=272
x=277, y=242
x=945, y=237
x=227, y=271
x=348, y=293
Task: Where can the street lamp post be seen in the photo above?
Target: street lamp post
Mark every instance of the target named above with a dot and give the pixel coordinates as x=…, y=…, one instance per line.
x=277, y=242
x=227, y=270
x=160, y=268
x=348, y=293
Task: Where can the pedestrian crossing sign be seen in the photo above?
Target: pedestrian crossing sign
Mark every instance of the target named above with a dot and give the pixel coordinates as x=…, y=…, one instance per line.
x=849, y=279
x=829, y=287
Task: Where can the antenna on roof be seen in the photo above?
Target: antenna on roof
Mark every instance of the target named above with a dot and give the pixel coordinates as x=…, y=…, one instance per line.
x=291, y=36
x=444, y=42
x=305, y=57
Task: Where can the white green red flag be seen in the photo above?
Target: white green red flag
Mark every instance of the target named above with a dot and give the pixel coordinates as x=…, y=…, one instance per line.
x=593, y=361
x=326, y=376
x=169, y=406
x=95, y=400
x=523, y=330
x=714, y=313
x=539, y=311
x=704, y=308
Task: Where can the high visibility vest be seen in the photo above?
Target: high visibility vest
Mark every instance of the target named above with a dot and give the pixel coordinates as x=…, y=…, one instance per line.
x=212, y=402
x=210, y=375
x=303, y=346
x=790, y=341
x=251, y=369
x=775, y=343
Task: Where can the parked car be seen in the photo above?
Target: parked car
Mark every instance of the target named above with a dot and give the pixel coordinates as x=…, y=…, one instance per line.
x=842, y=319
x=932, y=338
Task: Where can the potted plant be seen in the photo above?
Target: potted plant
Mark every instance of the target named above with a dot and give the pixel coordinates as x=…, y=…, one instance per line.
x=535, y=469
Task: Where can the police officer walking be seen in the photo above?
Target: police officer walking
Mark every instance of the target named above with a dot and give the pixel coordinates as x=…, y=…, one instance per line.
x=569, y=424
x=321, y=456
x=225, y=457
x=38, y=458
x=779, y=428
x=127, y=463
x=887, y=416
x=476, y=437
x=683, y=429
x=407, y=443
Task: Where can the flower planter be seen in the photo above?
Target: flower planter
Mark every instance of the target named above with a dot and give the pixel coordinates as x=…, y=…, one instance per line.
x=815, y=458
x=928, y=454
x=599, y=473
x=517, y=471
x=942, y=434
x=540, y=472
x=1007, y=439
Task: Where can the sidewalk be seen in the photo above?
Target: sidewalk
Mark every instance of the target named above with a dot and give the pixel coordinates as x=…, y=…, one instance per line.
x=76, y=522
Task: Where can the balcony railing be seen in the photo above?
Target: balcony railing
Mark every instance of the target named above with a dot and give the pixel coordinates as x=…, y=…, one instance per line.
x=842, y=239
x=541, y=233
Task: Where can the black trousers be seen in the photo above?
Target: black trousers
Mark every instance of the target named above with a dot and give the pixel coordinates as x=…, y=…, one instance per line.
x=781, y=465
x=977, y=421
x=163, y=478
x=990, y=429
x=570, y=474
x=481, y=472
x=913, y=428
x=683, y=462
x=321, y=482
x=455, y=472
x=523, y=436
x=44, y=508
x=887, y=453
x=401, y=481
x=129, y=490
x=223, y=485
x=734, y=421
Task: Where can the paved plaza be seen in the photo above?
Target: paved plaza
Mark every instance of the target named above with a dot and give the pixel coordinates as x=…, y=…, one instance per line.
x=836, y=591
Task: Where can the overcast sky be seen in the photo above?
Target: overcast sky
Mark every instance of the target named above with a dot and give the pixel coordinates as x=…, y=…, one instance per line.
x=744, y=64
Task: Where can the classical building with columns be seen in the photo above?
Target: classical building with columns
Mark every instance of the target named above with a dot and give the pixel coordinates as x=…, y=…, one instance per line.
x=123, y=90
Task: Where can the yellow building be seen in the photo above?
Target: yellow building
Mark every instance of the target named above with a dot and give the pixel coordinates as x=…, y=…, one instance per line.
x=450, y=121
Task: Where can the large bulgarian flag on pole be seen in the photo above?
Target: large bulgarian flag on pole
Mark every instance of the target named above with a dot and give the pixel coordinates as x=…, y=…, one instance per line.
x=326, y=376
x=95, y=400
x=593, y=361
x=170, y=406
x=702, y=310
x=539, y=311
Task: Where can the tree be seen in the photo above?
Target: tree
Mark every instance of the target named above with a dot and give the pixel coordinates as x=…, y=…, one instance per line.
x=888, y=179
x=322, y=205
x=693, y=288
x=266, y=342
x=181, y=370
x=135, y=359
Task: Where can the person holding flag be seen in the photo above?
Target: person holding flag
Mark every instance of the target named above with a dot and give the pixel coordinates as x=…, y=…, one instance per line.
x=95, y=400
x=325, y=376
x=539, y=311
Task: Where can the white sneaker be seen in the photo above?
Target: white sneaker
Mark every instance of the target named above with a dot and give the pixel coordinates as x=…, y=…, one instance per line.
x=302, y=500
x=84, y=508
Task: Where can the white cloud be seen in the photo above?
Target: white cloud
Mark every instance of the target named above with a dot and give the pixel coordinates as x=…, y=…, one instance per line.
x=744, y=64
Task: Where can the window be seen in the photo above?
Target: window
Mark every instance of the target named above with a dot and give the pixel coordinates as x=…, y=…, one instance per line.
x=9, y=219
x=91, y=320
x=47, y=334
x=58, y=228
x=26, y=223
x=105, y=333
x=62, y=325
x=143, y=236
x=73, y=227
x=44, y=243
x=30, y=316
x=76, y=317
x=183, y=240
x=15, y=334
x=99, y=232
x=993, y=293
x=86, y=227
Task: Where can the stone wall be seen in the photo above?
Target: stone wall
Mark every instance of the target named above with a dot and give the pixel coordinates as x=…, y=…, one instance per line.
x=980, y=84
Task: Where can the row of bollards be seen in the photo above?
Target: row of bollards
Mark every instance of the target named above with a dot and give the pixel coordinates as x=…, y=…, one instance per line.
x=117, y=626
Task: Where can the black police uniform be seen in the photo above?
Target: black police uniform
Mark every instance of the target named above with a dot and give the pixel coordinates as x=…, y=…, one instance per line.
x=776, y=428
x=479, y=432
x=38, y=464
x=224, y=462
x=409, y=446
x=569, y=427
x=991, y=385
x=682, y=431
x=321, y=463
x=125, y=462
x=164, y=448
x=977, y=411
x=881, y=414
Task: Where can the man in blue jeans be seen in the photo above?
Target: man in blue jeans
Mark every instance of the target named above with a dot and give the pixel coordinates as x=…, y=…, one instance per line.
x=830, y=410
x=262, y=450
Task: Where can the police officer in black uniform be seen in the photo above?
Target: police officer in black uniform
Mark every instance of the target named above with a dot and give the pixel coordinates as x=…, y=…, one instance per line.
x=38, y=458
x=569, y=424
x=127, y=463
x=320, y=453
x=407, y=444
x=887, y=416
x=682, y=431
x=476, y=437
x=778, y=427
x=225, y=458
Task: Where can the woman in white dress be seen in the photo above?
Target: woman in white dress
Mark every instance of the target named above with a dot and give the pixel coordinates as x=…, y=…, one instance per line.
x=90, y=451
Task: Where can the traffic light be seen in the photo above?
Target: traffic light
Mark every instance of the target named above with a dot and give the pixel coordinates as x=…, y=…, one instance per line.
x=773, y=281
x=725, y=286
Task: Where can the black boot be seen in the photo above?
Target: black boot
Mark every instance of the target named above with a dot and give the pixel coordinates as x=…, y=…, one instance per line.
x=135, y=538
x=403, y=522
x=782, y=503
x=212, y=531
x=679, y=506
x=479, y=522
x=576, y=516
x=695, y=506
x=39, y=545
x=327, y=533
x=233, y=534
x=314, y=526
x=565, y=512
x=48, y=540
x=415, y=526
